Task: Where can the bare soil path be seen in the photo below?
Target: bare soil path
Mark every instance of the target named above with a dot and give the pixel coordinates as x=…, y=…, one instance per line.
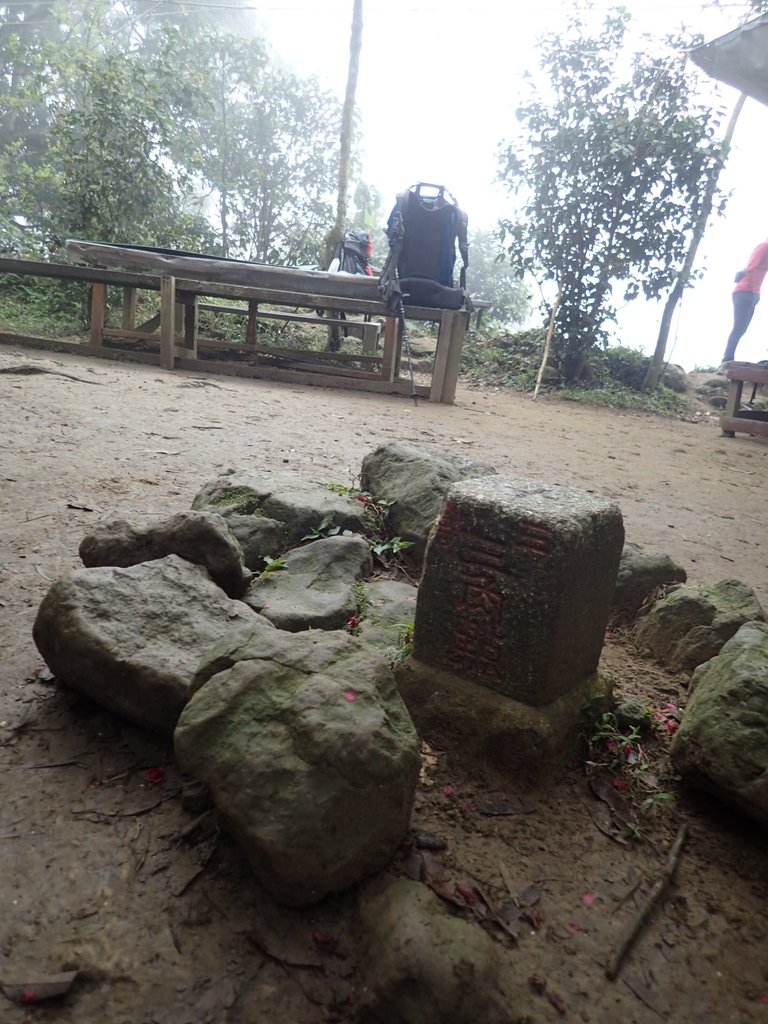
x=96, y=872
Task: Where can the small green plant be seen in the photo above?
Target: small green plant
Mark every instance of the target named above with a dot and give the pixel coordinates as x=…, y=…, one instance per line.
x=390, y=548
x=656, y=800
x=326, y=528
x=271, y=565
x=611, y=748
x=362, y=607
x=246, y=501
x=404, y=644
x=385, y=549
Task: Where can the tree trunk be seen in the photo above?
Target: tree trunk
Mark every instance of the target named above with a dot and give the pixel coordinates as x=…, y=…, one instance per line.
x=656, y=367
x=336, y=234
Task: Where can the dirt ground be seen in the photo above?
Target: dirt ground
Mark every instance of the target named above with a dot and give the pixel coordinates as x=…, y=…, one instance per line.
x=101, y=872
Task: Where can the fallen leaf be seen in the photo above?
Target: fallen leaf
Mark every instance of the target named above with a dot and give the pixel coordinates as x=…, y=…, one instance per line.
x=35, y=990
x=530, y=896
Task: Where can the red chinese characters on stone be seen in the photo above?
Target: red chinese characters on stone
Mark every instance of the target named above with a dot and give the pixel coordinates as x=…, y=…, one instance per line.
x=477, y=622
x=488, y=573
x=533, y=538
x=449, y=527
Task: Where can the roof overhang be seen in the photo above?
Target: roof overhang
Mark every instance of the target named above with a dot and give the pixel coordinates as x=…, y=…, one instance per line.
x=739, y=58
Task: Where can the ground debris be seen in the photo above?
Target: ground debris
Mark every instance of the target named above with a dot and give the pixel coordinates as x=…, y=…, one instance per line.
x=38, y=989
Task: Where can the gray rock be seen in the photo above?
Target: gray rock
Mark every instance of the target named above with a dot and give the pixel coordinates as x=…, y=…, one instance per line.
x=293, y=507
x=633, y=713
x=641, y=573
x=388, y=614
x=315, y=588
x=310, y=754
x=689, y=625
x=259, y=537
x=131, y=638
x=675, y=378
x=199, y=537
x=721, y=743
x=416, y=479
x=422, y=965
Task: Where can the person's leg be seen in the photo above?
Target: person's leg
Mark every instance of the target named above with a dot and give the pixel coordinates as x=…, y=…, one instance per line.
x=743, y=310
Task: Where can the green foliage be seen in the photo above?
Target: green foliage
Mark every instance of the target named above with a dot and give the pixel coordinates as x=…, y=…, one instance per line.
x=326, y=528
x=122, y=123
x=662, y=401
x=404, y=644
x=491, y=278
x=271, y=565
x=611, y=747
x=511, y=361
x=608, y=172
x=385, y=548
x=626, y=366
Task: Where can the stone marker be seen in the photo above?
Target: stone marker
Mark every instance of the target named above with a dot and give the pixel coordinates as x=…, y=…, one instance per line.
x=518, y=583
x=512, y=608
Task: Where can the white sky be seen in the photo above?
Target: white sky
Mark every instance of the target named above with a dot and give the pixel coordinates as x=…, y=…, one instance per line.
x=439, y=82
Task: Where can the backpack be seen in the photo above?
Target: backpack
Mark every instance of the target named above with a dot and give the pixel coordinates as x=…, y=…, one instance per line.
x=423, y=229
x=353, y=254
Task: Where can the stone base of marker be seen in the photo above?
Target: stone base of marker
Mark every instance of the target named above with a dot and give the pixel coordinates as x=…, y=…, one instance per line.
x=480, y=728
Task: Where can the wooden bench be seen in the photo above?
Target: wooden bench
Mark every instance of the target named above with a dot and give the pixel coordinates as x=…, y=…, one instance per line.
x=172, y=338
x=736, y=419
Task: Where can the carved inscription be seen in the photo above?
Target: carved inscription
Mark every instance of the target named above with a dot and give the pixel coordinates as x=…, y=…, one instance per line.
x=487, y=576
x=478, y=638
x=449, y=527
x=533, y=538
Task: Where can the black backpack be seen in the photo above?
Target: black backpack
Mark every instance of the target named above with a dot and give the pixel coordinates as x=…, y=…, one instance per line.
x=423, y=229
x=353, y=254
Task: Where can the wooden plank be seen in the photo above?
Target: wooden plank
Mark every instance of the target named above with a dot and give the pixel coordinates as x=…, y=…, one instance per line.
x=251, y=328
x=441, y=356
x=190, y=326
x=271, y=314
x=733, y=402
x=336, y=371
x=137, y=335
x=279, y=298
x=306, y=354
x=213, y=270
x=389, y=353
x=398, y=387
x=167, y=322
x=371, y=334
x=731, y=425
x=460, y=322
x=129, y=307
x=150, y=325
x=751, y=373
x=79, y=348
x=64, y=271
x=98, y=309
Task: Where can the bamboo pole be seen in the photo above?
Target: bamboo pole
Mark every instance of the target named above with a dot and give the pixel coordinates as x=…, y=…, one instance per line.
x=548, y=342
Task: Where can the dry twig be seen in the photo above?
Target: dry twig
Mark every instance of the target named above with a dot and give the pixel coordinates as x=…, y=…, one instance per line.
x=658, y=890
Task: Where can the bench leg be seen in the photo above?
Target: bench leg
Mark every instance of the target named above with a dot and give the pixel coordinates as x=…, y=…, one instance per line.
x=167, y=322
x=98, y=309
